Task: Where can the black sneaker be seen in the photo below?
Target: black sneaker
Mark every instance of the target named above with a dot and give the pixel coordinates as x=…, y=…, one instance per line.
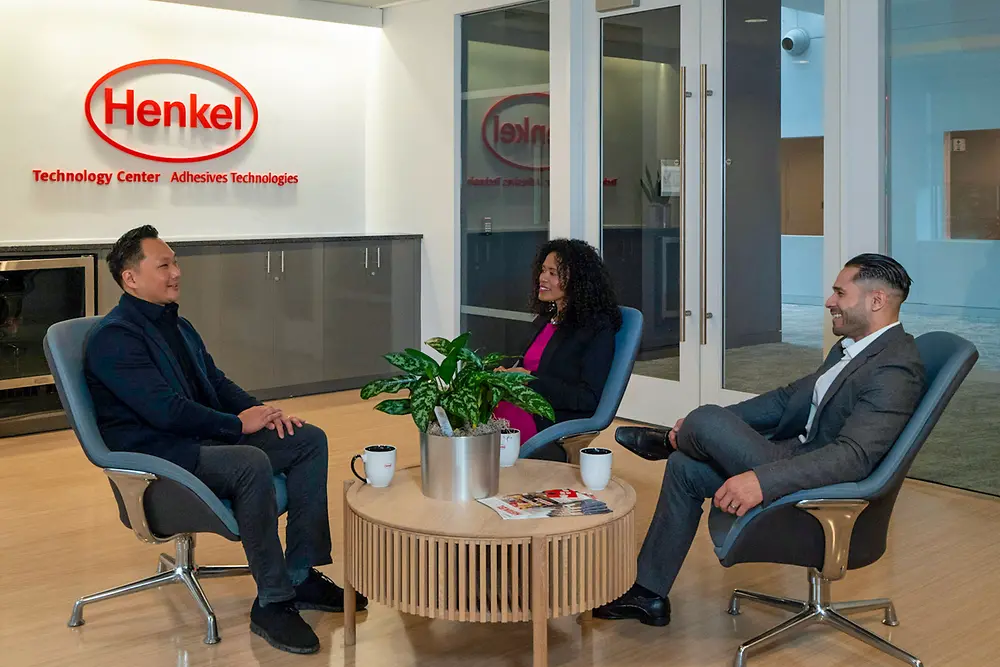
x=318, y=592
x=281, y=626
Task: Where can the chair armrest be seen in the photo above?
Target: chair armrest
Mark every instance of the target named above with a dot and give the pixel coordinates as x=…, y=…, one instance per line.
x=558, y=432
x=844, y=491
x=131, y=486
x=837, y=517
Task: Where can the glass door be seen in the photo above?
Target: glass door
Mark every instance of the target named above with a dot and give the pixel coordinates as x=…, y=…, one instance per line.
x=648, y=208
x=763, y=313
x=709, y=134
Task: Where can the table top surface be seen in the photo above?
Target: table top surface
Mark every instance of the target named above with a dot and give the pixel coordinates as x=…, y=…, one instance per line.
x=402, y=505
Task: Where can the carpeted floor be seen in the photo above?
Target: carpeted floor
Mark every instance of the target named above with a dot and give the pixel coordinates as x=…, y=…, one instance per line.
x=963, y=450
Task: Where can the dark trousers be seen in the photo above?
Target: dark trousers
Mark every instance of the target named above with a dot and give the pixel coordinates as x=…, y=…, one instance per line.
x=243, y=474
x=712, y=446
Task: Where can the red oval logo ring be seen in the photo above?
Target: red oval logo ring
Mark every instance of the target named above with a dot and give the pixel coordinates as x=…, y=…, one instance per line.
x=512, y=100
x=166, y=158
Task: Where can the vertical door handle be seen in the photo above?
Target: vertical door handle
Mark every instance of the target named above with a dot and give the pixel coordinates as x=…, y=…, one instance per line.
x=682, y=251
x=366, y=257
x=282, y=261
x=378, y=257
x=268, y=262
x=703, y=117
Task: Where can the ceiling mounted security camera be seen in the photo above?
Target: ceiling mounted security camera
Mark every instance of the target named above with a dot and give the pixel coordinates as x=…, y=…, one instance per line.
x=795, y=41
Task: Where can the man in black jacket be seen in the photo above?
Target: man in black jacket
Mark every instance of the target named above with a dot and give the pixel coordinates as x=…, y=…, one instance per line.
x=834, y=425
x=157, y=391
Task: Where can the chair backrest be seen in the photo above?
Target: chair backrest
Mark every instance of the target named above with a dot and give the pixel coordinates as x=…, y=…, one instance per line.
x=626, y=349
x=64, y=346
x=947, y=359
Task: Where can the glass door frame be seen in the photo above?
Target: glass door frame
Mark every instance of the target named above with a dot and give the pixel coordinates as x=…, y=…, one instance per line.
x=650, y=399
x=713, y=269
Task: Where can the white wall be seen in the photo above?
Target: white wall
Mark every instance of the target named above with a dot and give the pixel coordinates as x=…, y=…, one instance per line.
x=413, y=147
x=310, y=80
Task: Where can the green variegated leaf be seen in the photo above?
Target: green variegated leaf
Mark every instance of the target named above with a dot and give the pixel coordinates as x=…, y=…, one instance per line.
x=389, y=385
x=464, y=404
x=405, y=363
x=459, y=342
x=469, y=357
x=423, y=398
x=488, y=402
x=448, y=367
x=394, y=406
x=494, y=359
x=530, y=400
x=430, y=367
x=438, y=344
x=507, y=380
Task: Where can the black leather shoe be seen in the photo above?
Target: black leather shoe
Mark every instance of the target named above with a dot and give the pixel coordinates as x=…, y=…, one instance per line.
x=320, y=593
x=281, y=626
x=649, y=443
x=648, y=609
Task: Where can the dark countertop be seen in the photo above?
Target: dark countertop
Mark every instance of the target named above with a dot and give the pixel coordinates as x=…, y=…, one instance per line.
x=206, y=241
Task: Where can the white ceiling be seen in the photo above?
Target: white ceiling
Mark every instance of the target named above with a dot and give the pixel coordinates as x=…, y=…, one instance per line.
x=366, y=3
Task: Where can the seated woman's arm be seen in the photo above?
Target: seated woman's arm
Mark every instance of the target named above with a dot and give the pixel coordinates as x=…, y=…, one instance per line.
x=585, y=394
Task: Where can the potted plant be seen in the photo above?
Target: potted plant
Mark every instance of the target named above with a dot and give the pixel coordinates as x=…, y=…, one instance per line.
x=452, y=403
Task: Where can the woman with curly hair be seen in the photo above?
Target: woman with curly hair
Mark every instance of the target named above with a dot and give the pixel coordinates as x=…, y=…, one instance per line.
x=574, y=336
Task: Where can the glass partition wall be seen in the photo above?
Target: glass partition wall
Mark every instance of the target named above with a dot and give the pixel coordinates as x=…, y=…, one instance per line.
x=943, y=81
x=505, y=169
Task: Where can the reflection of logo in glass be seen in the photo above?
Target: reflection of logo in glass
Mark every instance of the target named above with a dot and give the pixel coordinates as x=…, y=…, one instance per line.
x=190, y=120
x=516, y=131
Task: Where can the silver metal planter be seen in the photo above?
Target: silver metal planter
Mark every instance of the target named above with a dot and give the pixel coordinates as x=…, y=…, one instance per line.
x=459, y=469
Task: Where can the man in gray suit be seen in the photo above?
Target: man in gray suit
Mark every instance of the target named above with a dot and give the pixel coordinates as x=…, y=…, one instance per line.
x=832, y=426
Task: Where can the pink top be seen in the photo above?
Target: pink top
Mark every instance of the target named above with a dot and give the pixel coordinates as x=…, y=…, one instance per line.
x=518, y=418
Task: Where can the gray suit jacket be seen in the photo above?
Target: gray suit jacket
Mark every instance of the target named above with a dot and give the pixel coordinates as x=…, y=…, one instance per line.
x=856, y=424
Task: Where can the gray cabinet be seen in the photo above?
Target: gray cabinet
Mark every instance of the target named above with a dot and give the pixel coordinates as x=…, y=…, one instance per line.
x=373, y=305
x=287, y=318
x=267, y=307
x=298, y=314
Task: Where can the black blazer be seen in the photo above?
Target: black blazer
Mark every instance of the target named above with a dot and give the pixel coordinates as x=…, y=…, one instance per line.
x=573, y=369
x=143, y=401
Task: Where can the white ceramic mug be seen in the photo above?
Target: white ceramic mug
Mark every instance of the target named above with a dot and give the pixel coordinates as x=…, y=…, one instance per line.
x=595, y=467
x=510, y=446
x=380, y=465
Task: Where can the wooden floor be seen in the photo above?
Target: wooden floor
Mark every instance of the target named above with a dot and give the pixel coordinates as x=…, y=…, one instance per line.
x=61, y=539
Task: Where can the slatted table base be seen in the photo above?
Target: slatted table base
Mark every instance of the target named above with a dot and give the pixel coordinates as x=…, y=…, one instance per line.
x=505, y=580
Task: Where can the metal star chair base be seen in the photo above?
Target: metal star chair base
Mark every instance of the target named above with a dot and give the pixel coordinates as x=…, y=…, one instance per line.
x=818, y=609
x=180, y=569
x=837, y=518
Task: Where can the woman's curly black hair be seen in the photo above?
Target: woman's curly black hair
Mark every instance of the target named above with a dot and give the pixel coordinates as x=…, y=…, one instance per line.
x=590, y=293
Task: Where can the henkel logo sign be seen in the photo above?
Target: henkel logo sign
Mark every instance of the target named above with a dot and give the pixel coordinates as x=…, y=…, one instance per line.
x=171, y=111
x=516, y=131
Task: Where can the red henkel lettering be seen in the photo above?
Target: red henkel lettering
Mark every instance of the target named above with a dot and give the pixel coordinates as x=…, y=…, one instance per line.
x=520, y=133
x=151, y=113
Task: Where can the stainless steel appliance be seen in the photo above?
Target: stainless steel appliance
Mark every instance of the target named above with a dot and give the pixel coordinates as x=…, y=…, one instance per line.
x=34, y=294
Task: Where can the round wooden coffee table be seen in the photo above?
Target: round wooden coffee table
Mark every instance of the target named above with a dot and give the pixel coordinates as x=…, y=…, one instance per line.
x=462, y=562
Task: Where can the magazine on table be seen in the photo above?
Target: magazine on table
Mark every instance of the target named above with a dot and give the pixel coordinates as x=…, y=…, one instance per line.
x=545, y=504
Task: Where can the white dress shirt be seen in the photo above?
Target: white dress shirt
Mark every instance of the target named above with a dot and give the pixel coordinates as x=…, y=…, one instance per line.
x=851, y=349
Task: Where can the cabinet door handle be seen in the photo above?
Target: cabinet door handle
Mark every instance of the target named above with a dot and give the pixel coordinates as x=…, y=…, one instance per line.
x=378, y=257
x=268, y=262
x=282, y=261
x=366, y=257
